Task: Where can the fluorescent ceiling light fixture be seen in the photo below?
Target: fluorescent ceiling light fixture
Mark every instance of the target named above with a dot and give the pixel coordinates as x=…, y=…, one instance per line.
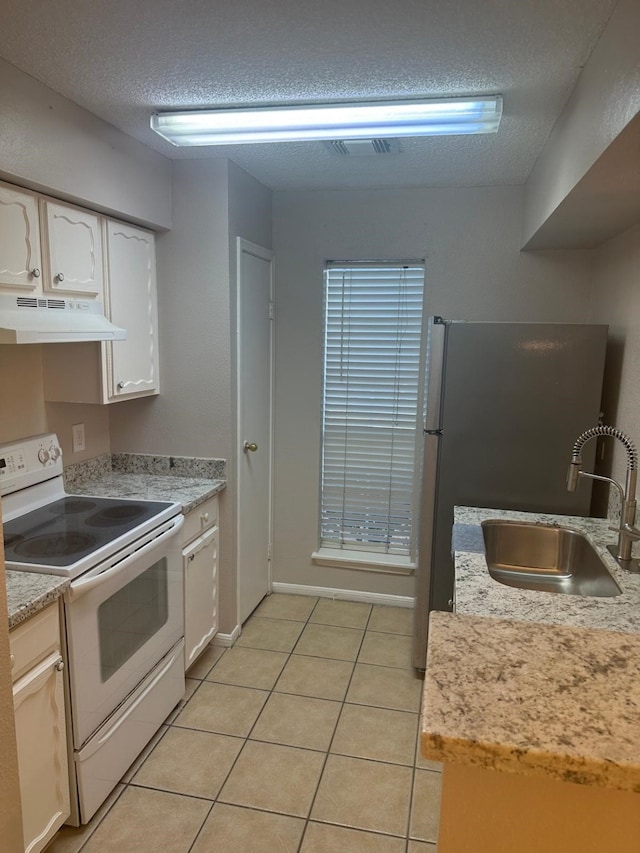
x=312, y=122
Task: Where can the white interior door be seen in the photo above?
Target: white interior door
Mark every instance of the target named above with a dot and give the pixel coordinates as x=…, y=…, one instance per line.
x=255, y=299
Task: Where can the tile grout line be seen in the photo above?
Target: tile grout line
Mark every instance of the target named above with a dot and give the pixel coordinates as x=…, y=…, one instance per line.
x=93, y=831
x=247, y=736
x=335, y=728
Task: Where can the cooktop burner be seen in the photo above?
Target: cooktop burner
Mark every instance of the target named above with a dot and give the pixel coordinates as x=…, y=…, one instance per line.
x=115, y=515
x=66, y=530
x=55, y=545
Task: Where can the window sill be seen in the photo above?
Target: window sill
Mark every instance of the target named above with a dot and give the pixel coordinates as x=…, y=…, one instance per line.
x=366, y=561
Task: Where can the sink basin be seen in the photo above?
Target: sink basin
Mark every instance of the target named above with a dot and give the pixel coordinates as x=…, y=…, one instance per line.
x=545, y=557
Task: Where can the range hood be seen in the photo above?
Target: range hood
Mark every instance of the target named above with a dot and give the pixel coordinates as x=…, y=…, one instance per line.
x=38, y=320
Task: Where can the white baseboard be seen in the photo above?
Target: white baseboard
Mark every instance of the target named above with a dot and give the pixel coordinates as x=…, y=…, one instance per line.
x=344, y=594
x=226, y=640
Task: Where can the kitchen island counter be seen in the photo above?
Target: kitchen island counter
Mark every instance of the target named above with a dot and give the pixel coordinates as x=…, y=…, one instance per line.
x=537, y=726
x=478, y=594
x=532, y=702
x=532, y=699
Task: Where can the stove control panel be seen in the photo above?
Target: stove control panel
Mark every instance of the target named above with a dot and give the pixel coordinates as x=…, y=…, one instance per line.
x=32, y=460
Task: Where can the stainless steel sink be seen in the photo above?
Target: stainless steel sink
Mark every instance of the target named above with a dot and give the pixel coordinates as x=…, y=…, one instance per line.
x=545, y=557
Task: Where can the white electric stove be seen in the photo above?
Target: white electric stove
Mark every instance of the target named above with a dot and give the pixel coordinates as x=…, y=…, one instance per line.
x=123, y=612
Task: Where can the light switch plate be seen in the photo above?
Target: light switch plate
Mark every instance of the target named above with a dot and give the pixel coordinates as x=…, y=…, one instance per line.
x=77, y=434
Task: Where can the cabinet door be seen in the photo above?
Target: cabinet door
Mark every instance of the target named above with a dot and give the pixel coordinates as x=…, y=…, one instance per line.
x=200, y=594
x=20, y=259
x=132, y=368
x=74, y=244
x=38, y=701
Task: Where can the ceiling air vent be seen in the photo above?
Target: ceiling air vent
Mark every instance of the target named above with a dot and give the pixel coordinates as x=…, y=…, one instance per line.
x=363, y=147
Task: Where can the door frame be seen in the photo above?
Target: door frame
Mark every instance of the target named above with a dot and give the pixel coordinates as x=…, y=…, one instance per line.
x=246, y=246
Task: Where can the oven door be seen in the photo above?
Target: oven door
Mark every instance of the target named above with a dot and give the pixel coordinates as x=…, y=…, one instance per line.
x=121, y=618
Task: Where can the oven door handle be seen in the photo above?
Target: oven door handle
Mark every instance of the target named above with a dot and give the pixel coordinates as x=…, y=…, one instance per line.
x=89, y=581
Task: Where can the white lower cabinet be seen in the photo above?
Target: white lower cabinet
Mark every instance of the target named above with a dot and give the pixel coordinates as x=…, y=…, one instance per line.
x=38, y=700
x=200, y=561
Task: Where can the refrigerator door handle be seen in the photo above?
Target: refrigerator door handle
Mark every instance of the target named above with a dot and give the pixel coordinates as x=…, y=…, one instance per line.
x=436, y=332
x=424, y=574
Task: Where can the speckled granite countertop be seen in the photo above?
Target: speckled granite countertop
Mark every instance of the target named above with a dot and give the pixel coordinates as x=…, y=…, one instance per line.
x=29, y=592
x=189, y=491
x=184, y=479
x=478, y=594
x=544, y=700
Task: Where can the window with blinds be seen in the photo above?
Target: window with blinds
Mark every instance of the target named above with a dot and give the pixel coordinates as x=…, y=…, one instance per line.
x=371, y=401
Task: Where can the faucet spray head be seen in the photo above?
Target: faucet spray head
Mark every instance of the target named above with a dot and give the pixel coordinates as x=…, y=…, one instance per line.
x=573, y=473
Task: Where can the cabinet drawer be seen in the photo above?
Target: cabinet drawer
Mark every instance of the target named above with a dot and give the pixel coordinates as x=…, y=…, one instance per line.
x=31, y=641
x=200, y=519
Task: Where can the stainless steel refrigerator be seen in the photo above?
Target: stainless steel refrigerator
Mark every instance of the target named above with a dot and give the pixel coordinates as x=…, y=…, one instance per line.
x=504, y=404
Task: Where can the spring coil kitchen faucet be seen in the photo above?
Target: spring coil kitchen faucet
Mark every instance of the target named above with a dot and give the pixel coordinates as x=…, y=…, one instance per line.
x=627, y=532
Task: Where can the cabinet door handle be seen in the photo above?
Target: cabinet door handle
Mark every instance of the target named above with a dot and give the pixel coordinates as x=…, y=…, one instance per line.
x=192, y=557
x=60, y=277
x=60, y=665
x=120, y=386
x=35, y=272
x=251, y=446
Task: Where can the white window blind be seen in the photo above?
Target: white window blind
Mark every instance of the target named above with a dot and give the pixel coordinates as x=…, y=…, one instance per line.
x=371, y=400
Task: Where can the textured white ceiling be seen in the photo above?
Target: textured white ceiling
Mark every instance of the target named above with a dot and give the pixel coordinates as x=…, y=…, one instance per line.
x=124, y=59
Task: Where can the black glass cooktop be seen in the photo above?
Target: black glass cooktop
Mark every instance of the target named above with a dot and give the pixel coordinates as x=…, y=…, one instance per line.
x=65, y=531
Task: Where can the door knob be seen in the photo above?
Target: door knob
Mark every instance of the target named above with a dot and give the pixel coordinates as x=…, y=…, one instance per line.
x=250, y=445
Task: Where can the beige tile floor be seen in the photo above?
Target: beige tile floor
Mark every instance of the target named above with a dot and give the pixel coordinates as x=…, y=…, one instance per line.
x=302, y=738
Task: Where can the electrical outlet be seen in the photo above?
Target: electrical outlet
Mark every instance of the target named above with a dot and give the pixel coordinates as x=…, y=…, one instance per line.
x=77, y=433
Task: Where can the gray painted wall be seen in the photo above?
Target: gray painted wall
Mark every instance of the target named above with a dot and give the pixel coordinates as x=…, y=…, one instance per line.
x=616, y=301
x=214, y=202
x=605, y=99
x=474, y=270
x=50, y=144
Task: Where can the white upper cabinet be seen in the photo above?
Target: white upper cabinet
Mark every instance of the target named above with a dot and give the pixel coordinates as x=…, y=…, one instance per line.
x=49, y=249
x=20, y=256
x=132, y=364
x=73, y=241
x=114, y=370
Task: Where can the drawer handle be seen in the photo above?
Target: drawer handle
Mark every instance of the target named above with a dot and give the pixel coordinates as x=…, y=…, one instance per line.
x=13, y=661
x=204, y=517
